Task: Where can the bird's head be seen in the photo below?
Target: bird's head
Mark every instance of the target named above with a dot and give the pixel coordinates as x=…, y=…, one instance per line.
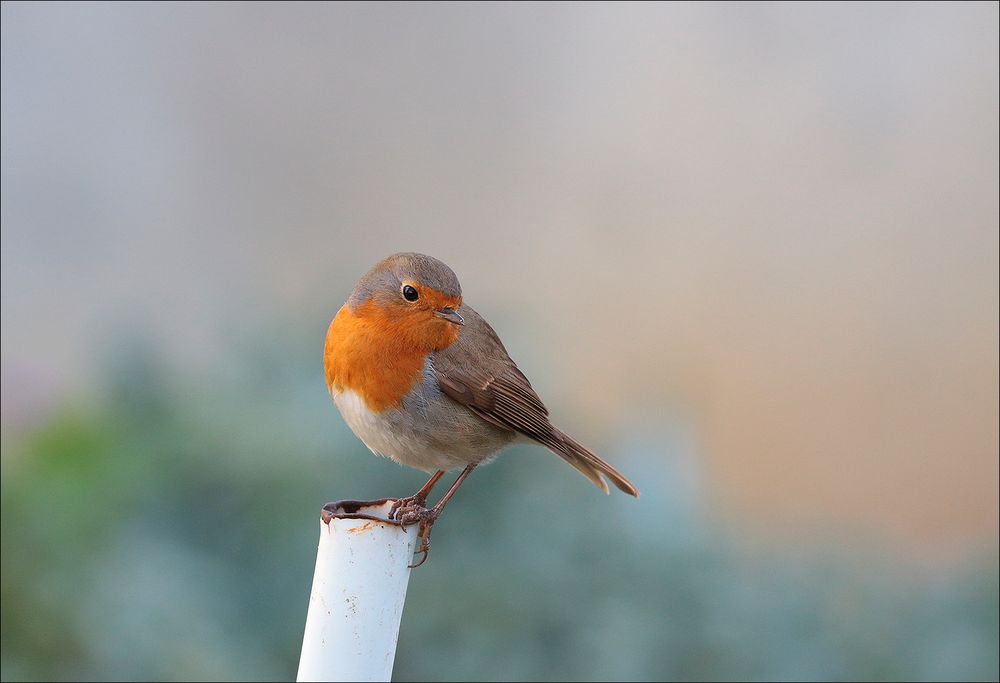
x=412, y=297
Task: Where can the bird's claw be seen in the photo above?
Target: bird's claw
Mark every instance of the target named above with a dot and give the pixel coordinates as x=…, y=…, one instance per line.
x=414, y=514
x=408, y=513
x=414, y=501
x=424, y=548
x=425, y=543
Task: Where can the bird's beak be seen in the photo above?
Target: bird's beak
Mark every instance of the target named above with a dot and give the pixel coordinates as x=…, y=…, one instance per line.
x=450, y=314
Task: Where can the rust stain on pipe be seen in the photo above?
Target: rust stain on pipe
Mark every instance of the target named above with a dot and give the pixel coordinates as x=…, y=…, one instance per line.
x=361, y=529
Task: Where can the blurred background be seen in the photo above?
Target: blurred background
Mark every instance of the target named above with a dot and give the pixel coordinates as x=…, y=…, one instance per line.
x=748, y=253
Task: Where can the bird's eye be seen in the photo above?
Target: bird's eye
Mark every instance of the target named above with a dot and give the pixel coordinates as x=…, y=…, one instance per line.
x=410, y=294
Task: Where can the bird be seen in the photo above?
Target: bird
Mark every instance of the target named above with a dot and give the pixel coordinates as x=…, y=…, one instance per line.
x=420, y=377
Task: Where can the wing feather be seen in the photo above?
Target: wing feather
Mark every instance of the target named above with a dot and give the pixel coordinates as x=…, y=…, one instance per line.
x=477, y=372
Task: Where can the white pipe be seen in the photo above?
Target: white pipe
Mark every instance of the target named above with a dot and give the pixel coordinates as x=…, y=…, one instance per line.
x=357, y=594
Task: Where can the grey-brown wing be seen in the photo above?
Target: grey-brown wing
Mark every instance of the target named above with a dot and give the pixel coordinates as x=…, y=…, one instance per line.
x=477, y=372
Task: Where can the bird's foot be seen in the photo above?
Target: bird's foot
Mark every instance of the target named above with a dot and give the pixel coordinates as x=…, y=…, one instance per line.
x=415, y=513
x=425, y=541
x=416, y=501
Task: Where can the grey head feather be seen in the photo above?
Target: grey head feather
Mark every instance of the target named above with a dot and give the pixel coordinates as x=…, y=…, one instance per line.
x=384, y=280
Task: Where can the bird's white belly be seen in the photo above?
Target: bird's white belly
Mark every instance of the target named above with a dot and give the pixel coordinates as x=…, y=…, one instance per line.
x=425, y=432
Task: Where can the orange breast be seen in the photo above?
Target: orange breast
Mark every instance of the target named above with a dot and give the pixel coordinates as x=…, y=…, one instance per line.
x=369, y=352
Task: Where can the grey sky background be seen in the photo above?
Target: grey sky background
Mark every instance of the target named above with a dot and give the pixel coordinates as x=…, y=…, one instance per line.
x=778, y=220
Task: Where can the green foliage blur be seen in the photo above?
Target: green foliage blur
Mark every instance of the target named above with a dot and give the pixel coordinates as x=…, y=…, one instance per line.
x=166, y=530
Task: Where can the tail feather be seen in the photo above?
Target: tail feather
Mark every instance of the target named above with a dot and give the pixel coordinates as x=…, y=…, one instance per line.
x=587, y=462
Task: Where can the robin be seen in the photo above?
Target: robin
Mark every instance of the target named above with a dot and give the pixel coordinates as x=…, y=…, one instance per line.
x=421, y=378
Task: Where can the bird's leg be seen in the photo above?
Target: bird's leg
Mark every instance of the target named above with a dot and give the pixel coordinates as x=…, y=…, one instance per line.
x=426, y=517
x=417, y=499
